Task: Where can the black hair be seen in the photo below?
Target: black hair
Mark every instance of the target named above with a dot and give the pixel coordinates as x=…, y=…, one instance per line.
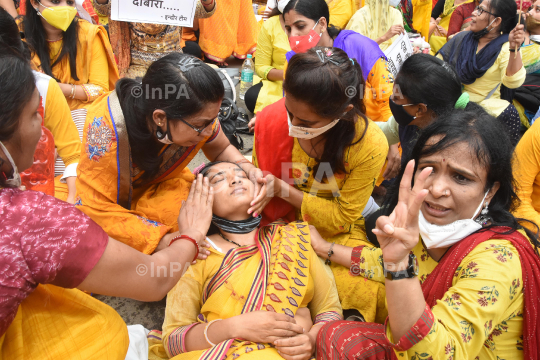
x=10, y=38
x=429, y=80
x=34, y=33
x=193, y=90
x=507, y=11
x=205, y=170
x=314, y=10
x=17, y=87
x=489, y=142
x=338, y=82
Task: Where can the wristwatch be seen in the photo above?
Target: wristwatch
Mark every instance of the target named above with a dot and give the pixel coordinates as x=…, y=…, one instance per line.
x=409, y=272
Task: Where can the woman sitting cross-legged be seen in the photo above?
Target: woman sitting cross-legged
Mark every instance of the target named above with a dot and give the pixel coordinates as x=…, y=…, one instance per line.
x=469, y=288
x=254, y=294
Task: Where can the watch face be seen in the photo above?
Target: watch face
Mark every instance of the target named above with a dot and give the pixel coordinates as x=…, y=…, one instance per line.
x=416, y=266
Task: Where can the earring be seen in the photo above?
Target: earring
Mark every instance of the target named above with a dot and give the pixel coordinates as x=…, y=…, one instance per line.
x=485, y=209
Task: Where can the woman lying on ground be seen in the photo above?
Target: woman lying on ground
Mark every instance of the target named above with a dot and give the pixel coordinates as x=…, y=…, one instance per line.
x=261, y=293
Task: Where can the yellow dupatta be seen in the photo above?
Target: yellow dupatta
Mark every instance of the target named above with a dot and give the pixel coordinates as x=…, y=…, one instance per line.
x=283, y=265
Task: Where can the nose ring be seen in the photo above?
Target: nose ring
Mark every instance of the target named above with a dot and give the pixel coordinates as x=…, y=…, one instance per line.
x=445, y=192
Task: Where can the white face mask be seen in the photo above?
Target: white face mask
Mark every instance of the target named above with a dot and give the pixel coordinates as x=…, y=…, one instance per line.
x=535, y=38
x=442, y=236
x=14, y=182
x=394, y=3
x=308, y=133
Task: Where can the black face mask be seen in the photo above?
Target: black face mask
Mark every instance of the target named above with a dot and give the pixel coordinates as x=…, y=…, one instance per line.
x=237, y=227
x=479, y=34
x=402, y=117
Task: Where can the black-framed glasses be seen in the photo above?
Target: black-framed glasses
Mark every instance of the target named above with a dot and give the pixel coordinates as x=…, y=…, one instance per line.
x=480, y=11
x=198, y=130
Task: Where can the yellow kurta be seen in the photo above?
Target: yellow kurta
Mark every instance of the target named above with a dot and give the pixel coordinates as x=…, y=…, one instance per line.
x=155, y=203
x=96, y=68
x=272, y=46
x=187, y=304
x=335, y=209
x=57, y=118
x=374, y=21
x=495, y=75
x=341, y=11
x=527, y=174
x=480, y=316
x=55, y=323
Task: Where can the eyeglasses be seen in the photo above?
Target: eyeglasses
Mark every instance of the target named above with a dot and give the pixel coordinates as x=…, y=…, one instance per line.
x=201, y=129
x=480, y=11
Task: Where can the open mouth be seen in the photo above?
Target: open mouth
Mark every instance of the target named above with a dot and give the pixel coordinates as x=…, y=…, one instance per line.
x=435, y=209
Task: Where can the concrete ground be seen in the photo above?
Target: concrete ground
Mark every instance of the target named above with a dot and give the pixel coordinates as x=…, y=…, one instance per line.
x=151, y=314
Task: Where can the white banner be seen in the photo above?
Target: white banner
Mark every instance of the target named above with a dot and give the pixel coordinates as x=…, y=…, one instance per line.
x=167, y=12
x=398, y=52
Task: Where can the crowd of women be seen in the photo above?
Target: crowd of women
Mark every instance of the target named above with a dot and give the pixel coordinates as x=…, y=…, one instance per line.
x=284, y=254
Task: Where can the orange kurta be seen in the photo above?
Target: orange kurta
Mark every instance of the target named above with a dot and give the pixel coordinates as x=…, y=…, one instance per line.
x=131, y=209
x=232, y=30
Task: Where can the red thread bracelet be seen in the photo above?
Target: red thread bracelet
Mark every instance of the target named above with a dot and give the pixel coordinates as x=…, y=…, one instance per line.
x=190, y=239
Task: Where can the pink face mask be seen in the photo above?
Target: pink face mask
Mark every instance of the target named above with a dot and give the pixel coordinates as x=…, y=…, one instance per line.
x=301, y=44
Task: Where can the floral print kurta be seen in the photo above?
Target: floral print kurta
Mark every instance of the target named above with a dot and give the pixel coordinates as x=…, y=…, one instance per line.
x=479, y=317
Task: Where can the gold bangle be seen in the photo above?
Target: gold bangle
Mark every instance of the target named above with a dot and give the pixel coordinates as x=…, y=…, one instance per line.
x=206, y=332
x=73, y=88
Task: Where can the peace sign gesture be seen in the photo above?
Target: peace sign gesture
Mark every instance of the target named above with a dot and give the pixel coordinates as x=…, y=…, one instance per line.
x=398, y=233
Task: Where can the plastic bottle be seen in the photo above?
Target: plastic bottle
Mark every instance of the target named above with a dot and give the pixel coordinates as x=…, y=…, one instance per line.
x=246, y=79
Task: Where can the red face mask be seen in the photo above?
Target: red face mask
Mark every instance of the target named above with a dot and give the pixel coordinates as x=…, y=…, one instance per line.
x=302, y=43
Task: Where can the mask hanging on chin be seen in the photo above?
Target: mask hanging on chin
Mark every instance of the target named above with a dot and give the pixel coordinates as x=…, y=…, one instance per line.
x=301, y=44
x=308, y=133
x=15, y=181
x=60, y=17
x=442, y=236
x=480, y=34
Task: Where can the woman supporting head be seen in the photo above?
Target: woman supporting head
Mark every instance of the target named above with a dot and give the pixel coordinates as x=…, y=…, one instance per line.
x=475, y=264
x=261, y=289
x=140, y=139
x=307, y=23
x=334, y=154
x=488, y=53
x=39, y=296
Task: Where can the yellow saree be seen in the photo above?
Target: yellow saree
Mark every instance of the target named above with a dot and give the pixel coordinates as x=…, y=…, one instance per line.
x=112, y=190
x=283, y=264
x=56, y=323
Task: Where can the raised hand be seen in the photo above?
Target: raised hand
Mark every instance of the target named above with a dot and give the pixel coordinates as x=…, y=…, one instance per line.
x=196, y=211
x=398, y=233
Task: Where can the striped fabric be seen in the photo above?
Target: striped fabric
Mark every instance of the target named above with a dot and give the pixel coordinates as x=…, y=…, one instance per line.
x=327, y=317
x=79, y=118
x=176, y=341
x=255, y=299
x=417, y=332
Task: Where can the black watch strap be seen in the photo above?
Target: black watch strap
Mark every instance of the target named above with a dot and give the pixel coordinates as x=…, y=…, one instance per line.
x=410, y=272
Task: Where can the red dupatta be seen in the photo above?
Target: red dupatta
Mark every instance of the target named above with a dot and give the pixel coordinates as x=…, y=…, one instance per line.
x=440, y=280
x=273, y=147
